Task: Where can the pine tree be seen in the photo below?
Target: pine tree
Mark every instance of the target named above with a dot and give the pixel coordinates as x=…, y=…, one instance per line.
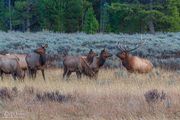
x=52, y=14
x=2, y=15
x=90, y=24
x=73, y=15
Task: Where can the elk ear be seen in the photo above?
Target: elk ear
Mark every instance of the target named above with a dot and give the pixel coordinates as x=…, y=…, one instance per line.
x=90, y=51
x=104, y=49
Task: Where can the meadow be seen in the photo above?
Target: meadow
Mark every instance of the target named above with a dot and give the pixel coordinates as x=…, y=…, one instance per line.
x=115, y=95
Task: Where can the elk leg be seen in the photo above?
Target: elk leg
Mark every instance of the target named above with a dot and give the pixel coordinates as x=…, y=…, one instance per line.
x=43, y=74
x=68, y=74
x=78, y=73
x=96, y=76
x=34, y=74
x=23, y=72
x=65, y=72
x=14, y=76
x=1, y=74
x=30, y=73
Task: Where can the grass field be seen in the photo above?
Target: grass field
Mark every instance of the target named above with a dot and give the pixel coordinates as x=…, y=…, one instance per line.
x=116, y=95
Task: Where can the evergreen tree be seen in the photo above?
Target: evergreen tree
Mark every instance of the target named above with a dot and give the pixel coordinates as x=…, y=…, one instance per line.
x=2, y=16
x=90, y=24
x=129, y=16
x=73, y=15
x=52, y=14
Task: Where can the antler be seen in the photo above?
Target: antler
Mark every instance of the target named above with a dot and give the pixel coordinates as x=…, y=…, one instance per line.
x=137, y=46
x=121, y=47
x=126, y=49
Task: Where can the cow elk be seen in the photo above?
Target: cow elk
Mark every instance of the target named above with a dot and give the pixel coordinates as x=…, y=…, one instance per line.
x=10, y=66
x=78, y=64
x=37, y=61
x=134, y=63
x=21, y=60
x=98, y=62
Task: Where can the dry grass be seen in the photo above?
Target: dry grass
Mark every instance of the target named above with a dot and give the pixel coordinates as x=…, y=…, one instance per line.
x=115, y=95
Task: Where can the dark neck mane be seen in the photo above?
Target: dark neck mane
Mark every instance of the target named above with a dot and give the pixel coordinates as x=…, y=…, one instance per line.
x=101, y=61
x=89, y=59
x=42, y=59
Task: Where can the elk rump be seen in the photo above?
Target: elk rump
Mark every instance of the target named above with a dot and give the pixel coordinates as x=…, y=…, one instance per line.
x=10, y=66
x=21, y=59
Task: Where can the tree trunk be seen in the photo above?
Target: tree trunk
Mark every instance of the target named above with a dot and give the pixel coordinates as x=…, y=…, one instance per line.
x=28, y=20
x=28, y=25
x=10, y=19
x=151, y=27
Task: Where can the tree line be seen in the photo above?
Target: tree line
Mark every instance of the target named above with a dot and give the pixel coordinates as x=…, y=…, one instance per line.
x=90, y=16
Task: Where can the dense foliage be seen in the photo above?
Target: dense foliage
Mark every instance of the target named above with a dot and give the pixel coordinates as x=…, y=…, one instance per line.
x=90, y=16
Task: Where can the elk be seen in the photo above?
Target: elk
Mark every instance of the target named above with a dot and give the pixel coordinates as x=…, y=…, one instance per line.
x=78, y=64
x=98, y=62
x=37, y=61
x=21, y=60
x=10, y=66
x=134, y=64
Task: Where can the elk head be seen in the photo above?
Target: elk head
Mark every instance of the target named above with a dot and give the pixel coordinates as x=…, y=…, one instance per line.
x=124, y=52
x=42, y=49
x=105, y=54
x=92, y=53
x=91, y=56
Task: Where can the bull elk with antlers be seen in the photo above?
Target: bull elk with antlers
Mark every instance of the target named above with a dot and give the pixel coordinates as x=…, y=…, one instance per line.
x=134, y=63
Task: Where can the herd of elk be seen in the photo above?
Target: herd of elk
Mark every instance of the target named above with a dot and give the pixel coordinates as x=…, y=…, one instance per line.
x=89, y=65
x=17, y=64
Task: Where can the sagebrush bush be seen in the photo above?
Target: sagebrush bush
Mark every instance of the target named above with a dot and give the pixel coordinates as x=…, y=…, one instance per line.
x=159, y=48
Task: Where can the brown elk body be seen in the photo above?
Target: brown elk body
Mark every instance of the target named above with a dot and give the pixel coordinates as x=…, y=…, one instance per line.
x=78, y=64
x=98, y=62
x=10, y=66
x=22, y=60
x=37, y=61
x=134, y=63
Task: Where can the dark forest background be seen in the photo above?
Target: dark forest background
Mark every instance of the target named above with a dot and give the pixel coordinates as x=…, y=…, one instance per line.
x=90, y=16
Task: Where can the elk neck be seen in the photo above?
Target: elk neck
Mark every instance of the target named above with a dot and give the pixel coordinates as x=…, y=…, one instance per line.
x=89, y=59
x=101, y=61
x=125, y=61
x=42, y=59
x=42, y=55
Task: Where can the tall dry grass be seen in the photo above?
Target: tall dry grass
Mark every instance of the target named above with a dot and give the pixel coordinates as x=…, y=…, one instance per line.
x=116, y=95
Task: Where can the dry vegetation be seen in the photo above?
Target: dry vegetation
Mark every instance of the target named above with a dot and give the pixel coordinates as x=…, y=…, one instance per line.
x=116, y=95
